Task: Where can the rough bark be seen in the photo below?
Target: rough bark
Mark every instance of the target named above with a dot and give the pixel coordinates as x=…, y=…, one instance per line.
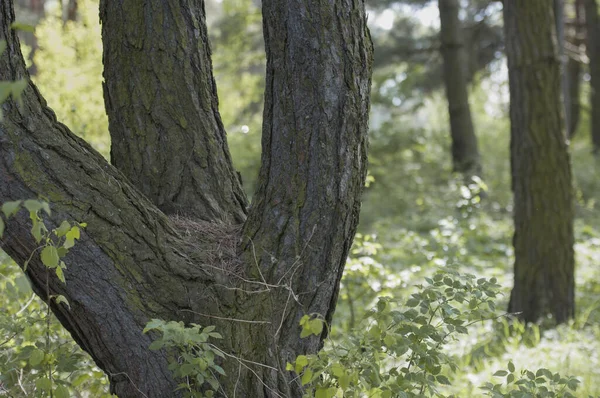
x=541, y=173
x=592, y=23
x=134, y=263
x=465, y=153
x=161, y=99
x=559, y=20
x=573, y=70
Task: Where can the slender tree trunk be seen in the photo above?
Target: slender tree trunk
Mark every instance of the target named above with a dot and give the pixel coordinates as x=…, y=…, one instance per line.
x=70, y=12
x=465, y=153
x=133, y=262
x=559, y=20
x=574, y=69
x=593, y=51
x=543, y=213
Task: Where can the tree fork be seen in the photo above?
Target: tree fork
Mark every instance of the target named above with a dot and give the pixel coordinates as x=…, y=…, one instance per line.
x=134, y=263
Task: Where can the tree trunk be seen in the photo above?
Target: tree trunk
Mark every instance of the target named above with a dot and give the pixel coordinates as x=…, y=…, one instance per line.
x=161, y=99
x=574, y=70
x=70, y=12
x=593, y=51
x=541, y=173
x=559, y=20
x=133, y=262
x=465, y=153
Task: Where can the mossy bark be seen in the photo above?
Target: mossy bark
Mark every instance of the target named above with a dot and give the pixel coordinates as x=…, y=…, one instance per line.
x=134, y=263
x=541, y=172
x=161, y=99
x=465, y=151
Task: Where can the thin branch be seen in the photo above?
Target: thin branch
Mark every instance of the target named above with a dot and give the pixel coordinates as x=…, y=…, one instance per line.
x=225, y=318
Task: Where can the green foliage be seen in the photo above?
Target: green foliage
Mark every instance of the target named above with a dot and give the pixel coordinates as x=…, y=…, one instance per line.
x=528, y=384
x=54, y=245
x=69, y=64
x=397, y=349
x=194, y=359
x=37, y=356
x=239, y=66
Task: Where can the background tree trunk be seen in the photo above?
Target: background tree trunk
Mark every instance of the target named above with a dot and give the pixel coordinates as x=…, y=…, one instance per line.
x=543, y=213
x=573, y=71
x=559, y=20
x=465, y=153
x=134, y=263
x=592, y=24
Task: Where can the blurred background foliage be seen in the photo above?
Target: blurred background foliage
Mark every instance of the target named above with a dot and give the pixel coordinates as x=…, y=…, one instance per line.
x=417, y=215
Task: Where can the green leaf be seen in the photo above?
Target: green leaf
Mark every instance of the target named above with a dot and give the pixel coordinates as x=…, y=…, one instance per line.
x=69, y=243
x=304, y=320
x=11, y=208
x=50, y=257
x=301, y=362
x=501, y=373
x=186, y=369
x=153, y=324
x=316, y=326
x=344, y=381
x=511, y=366
x=33, y=205
x=63, y=229
x=36, y=231
x=442, y=379
x=413, y=302
x=44, y=384
x=61, y=392
x=60, y=274
x=36, y=357
x=46, y=207
x=573, y=384
x=337, y=370
x=307, y=376
x=305, y=332
x=75, y=234
x=289, y=367
x=389, y=340
x=322, y=392
x=62, y=299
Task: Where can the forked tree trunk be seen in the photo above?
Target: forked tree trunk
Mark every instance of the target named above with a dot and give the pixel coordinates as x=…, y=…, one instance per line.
x=541, y=173
x=252, y=281
x=465, y=152
x=592, y=23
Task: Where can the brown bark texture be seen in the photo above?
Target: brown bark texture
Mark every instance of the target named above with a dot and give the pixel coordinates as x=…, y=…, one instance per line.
x=574, y=68
x=592, y=23
x=169, y=233
x=541, y=173
x=465, y=152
